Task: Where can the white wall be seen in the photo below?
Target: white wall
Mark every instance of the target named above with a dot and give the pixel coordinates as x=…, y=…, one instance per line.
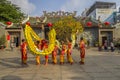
x=104, y=14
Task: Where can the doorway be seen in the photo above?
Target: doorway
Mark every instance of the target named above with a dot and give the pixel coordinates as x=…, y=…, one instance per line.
x=16, y=41
x=103, y=39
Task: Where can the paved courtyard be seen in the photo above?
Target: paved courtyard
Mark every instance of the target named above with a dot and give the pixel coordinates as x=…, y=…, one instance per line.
x=98, y=66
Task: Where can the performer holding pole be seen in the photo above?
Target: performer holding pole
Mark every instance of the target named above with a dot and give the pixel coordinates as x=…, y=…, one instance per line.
x=24, y=52
x=63, y=51
x=69, y=52
x=44, y=45
x=38, y=44
x=82, y=50
x=54, y=54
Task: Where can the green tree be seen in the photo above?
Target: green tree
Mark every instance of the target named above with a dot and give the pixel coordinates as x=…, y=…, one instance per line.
x=9, y=12
x=66, y=26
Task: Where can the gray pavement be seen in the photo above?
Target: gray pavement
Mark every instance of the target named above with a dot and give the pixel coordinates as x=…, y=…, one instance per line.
x=98, y=66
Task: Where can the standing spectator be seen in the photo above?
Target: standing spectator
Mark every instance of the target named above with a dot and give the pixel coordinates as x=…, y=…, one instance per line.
x=105, y=45
x=112, y=46
x=99, y=47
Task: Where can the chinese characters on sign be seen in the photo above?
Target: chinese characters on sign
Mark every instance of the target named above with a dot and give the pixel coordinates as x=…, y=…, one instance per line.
x=59, y=14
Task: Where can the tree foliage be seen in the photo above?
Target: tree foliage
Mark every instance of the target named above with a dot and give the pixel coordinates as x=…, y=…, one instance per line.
x=66, y=26
x=9, y=12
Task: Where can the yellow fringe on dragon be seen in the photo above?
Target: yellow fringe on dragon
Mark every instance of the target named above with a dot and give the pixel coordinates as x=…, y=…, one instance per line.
x=30, y=34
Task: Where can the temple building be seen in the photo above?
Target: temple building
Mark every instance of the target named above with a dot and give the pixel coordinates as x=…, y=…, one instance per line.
x=97, y=23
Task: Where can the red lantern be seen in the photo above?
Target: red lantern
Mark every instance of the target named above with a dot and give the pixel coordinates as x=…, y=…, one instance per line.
x=89, y=24
x=8, y=37
x=107, y=23
x=8, y=23
x=49, y=24
x=28, y=23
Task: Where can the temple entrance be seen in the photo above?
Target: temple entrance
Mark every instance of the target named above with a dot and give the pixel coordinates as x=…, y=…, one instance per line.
x=16, y=41
x=15, y=38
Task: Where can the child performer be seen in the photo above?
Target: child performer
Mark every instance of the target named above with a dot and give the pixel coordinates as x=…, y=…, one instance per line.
x=24, y=52
x=54, y=54
x=38, y=44
x=63, y=51
x=69, y=51
x=82, y=50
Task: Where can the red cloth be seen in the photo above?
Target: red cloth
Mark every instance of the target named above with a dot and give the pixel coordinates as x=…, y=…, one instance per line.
x=82, y=53
x=54, y=52
x=69, y=45
x=44, y=44
x=82, y=44
x=46, y=56
x=63, y=51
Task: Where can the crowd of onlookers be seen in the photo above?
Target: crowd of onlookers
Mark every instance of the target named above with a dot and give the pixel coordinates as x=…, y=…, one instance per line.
x=112, y=47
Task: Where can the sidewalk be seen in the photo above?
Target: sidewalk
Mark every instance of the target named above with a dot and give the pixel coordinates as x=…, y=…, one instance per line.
x=98, y=66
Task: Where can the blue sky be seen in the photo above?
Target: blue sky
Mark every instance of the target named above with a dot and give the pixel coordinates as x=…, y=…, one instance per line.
x=36, y=7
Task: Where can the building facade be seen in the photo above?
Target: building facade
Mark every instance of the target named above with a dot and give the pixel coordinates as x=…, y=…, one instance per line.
x=103, y=11
x=94, y=34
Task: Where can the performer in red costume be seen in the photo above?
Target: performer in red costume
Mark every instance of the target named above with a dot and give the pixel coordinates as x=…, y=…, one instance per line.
x=63, y=51
x=69, y=52
x=38, y=44
x=44, y=45
x=54, y=54
x=82, y=50
x=24, y=52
